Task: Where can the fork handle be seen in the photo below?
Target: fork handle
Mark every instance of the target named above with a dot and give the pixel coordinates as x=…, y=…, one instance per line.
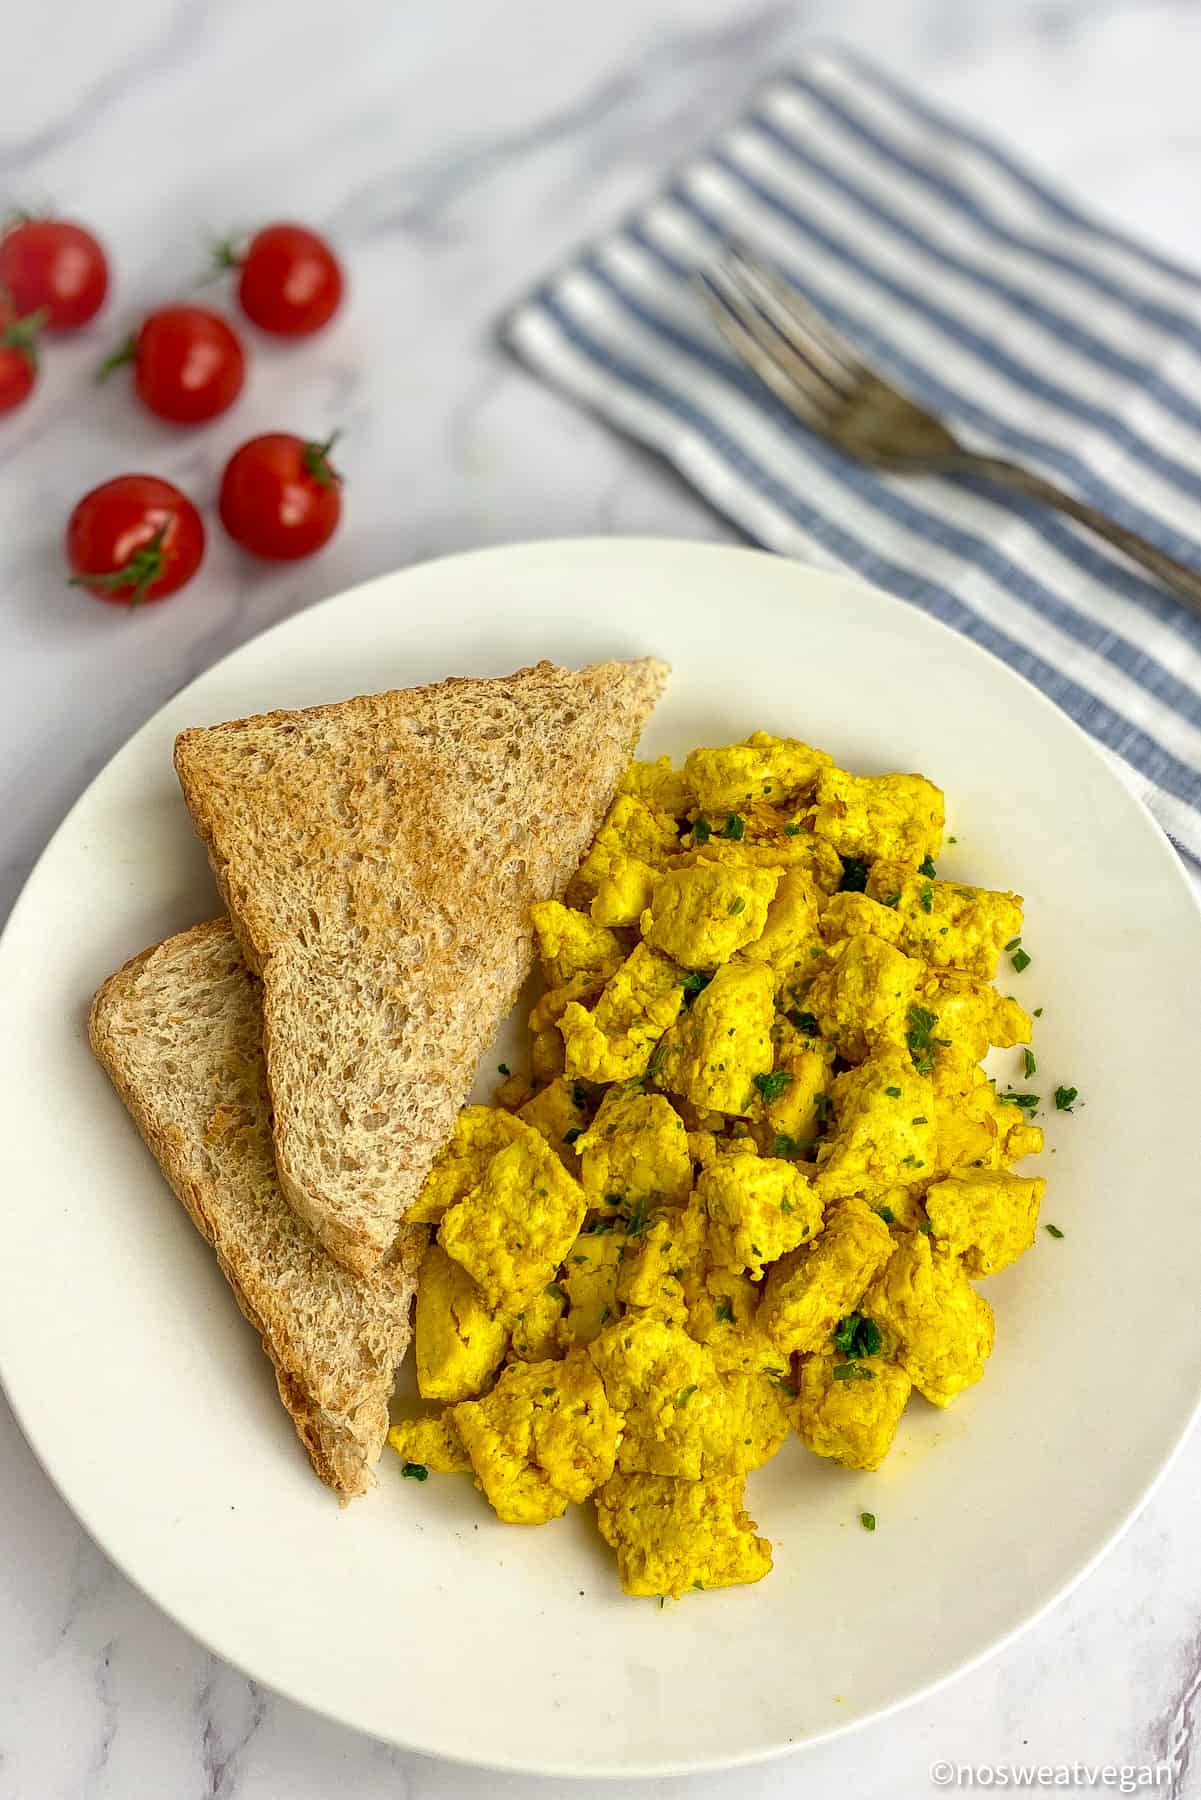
x=1182, y=580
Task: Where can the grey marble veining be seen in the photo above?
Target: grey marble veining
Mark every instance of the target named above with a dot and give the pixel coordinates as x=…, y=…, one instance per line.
x=457, y=153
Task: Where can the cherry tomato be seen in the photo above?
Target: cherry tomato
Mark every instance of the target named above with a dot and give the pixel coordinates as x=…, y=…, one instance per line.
x=188, y=364
x=18, y=356
x=290, y=282
x=134, y=539
x=280, y=496
x=54, y=265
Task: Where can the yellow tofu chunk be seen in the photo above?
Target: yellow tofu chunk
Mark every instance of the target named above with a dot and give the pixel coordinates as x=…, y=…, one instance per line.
x=624, y=893
x=701, y=916
x=808, y=1291
x=972, y=1018
x=722, y=1315
x=765, y=768
x=549, y=1007
x=759, y=1208
x=480, y=1131
x=535, y=1327
x=849, y=1411
x=722, y=1042
x=458, y=1341
x=898, y=817
x=667, y=1388
x=631, y=831
x=790, y=929
x=664, y=790
x=862, y=997
x=513, y=1230
x=985, y=1217
x=672, y=1536
x=558, y=1117
x=940, y=1328
x=634, y=1157
x=571, y=943
x=589, y=1279
x=857, y=915
x=788, y=1116
x=545, y=1436
x=664, y=1263
x=945, y=924
x=614, y=1041
x=884, y=1131
x=759, y=1420
x=978, y=1130
x=432, y=1443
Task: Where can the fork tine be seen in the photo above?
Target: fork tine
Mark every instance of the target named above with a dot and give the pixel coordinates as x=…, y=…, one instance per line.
x=761, y=360
x=827, y=395
x=797, y=320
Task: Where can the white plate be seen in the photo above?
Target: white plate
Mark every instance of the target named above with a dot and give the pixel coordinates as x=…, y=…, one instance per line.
x=414, y=1614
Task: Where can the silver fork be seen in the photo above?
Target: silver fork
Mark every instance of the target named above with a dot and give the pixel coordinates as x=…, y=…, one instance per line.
x=824, y=381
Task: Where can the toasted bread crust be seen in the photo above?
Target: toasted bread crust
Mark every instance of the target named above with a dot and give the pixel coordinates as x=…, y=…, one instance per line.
x=177, y=1030
x=379, y=858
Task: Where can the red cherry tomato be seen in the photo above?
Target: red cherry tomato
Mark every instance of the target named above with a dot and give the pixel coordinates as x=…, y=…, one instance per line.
x=18, y=356
x=188, y=364
x=290, y=282
x=55, y=265
x=280, y=496
x=134, y=539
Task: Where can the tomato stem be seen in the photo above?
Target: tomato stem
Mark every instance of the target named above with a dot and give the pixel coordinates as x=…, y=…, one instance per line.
x=18, y=215
x=141, y=571
x=125, y=354
x=316, y=461
x=22, y=335
x=228, y=253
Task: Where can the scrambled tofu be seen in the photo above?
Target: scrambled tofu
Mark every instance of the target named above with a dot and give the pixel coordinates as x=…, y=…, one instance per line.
x=884, y=1129
x=546, y=1435
x=862, y=997
x=759, y=1208
x=722, y=1042
x=946, y=925
x=938, y=1327
x=702, y=916
x=458, y=1341
x=511, y=1232
x=671, y=1536
x=432, y=1443
x=751, y=1172
x=808, y=1291
x=614, y=1041
x=849, y=1411
x=986, y=1217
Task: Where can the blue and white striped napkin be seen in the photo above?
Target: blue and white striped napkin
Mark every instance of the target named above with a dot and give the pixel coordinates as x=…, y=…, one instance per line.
x=1037, y=331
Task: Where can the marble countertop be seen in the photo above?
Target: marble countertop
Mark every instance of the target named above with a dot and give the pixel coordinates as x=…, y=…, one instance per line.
x=455, y=153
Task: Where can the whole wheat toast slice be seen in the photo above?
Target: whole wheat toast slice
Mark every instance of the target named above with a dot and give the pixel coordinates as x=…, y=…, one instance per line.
x=379, y=858
x=179, y=1031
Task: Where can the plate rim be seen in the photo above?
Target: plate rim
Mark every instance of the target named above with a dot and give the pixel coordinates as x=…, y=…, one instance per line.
x=619, y=547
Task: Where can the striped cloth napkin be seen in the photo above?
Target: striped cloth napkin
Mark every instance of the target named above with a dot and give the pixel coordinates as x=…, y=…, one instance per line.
x=1035, y=330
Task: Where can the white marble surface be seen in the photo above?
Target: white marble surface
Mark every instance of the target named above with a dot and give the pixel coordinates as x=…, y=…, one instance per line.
x=454, y=152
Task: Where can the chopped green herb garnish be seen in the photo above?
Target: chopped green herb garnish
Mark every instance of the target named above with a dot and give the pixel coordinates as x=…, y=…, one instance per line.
x=866, y=1519
x=894, y=1093
x=702, y=831
x=852, y=1371
x=734, y=827
x=921, y=1119
x=854, y=875
x=785, y=1146
x=554, y=1292
x=805, y=1022
x=699, y=1585
x=925, y=1227
x=890, y=900
x=792, y=829
x=642, y=1214
x=415, y=1472
x=503, y=1069
x=823, y=1106
x=1027, y=1102
x=912, y=1162
x=685, y=1394
x=738, y=904
x=886, y=1213
x=918, y=1037
x=927, y=867
x=1038, y=1012
x=952, y=840
x=655, y=1063
x=786, y=1206
x=598, y=1227
x=1029, y=1064
x=576, y=1131
x=1020, y=960
x=773, y=1085
x=694, y=984
x=1012, y=944
x=1065, y=1098
x=857, y=1336
x=725, y=1311
x=926, y=898
x=579, y=1094
x=1054, y=1230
